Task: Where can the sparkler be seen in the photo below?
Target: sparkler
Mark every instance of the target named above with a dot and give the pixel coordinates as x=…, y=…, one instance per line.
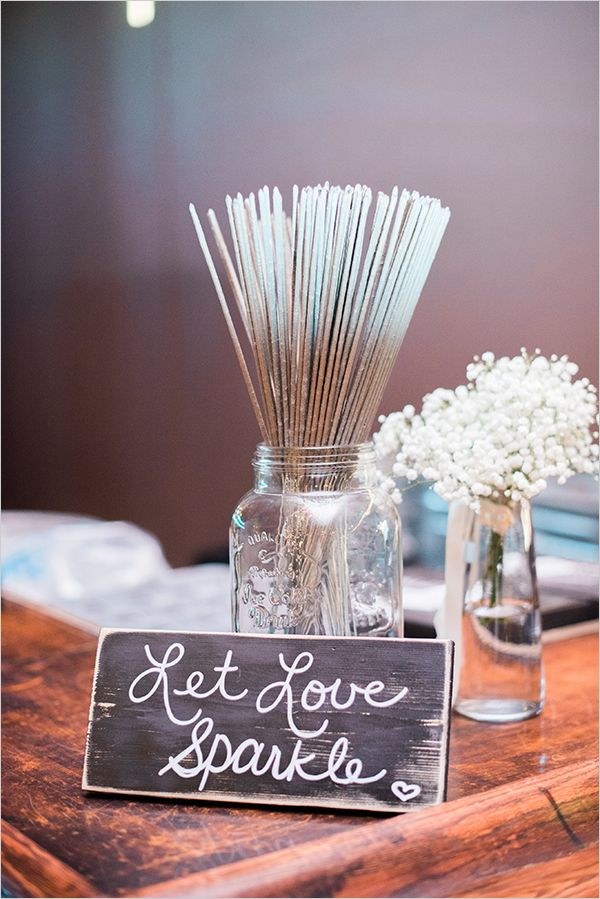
x=323, y=316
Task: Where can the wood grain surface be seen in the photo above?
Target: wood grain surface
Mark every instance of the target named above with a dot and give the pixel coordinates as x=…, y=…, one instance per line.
x=520, y=820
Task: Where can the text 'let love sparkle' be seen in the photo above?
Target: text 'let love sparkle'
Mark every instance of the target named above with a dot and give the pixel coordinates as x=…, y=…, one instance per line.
x=210, y=752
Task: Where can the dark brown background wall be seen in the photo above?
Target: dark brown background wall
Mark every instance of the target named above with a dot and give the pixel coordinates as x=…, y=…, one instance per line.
x=122, y=395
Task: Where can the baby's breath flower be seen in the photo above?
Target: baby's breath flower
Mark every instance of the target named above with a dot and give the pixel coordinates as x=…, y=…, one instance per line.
x=514, y=424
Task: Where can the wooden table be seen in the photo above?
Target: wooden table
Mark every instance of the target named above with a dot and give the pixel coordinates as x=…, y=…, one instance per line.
x=521, y=819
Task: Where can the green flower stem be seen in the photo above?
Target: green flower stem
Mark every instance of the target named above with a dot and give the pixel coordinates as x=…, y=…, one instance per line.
x=493, y=567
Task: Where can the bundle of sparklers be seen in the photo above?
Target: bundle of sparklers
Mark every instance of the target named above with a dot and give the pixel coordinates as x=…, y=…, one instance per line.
x=324, y=297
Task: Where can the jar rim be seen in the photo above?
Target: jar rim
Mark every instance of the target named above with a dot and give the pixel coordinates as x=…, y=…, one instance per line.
x=314, y=457
x=338, y=447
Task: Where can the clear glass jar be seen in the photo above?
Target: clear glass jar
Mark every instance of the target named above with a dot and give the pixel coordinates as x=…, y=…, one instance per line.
x=500, y=676
x=315, y=548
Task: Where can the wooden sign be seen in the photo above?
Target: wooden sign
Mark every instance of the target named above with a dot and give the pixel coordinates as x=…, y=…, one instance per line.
x=357, y=723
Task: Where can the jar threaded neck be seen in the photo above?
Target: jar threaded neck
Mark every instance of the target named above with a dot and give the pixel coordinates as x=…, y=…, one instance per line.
x=308, y=468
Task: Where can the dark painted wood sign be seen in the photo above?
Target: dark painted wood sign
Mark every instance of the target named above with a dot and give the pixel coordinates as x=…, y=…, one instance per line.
x=357, y=723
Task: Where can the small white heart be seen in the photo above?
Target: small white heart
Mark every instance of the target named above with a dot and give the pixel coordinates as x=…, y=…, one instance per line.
x=405, y=791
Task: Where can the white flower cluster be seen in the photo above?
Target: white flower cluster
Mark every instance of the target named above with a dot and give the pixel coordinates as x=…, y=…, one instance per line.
x=514, y=424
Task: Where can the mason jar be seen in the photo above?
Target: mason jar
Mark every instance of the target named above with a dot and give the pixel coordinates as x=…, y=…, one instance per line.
x=315, y=547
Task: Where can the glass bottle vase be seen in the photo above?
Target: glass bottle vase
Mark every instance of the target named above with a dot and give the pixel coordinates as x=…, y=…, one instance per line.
x=490, y=564
x=315, y=547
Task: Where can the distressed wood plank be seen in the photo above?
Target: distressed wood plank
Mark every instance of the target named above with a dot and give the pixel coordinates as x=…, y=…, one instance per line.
x=28, y=870
x=449, y=850
x=568, y=877
x=361, y=724
x=30, y=637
